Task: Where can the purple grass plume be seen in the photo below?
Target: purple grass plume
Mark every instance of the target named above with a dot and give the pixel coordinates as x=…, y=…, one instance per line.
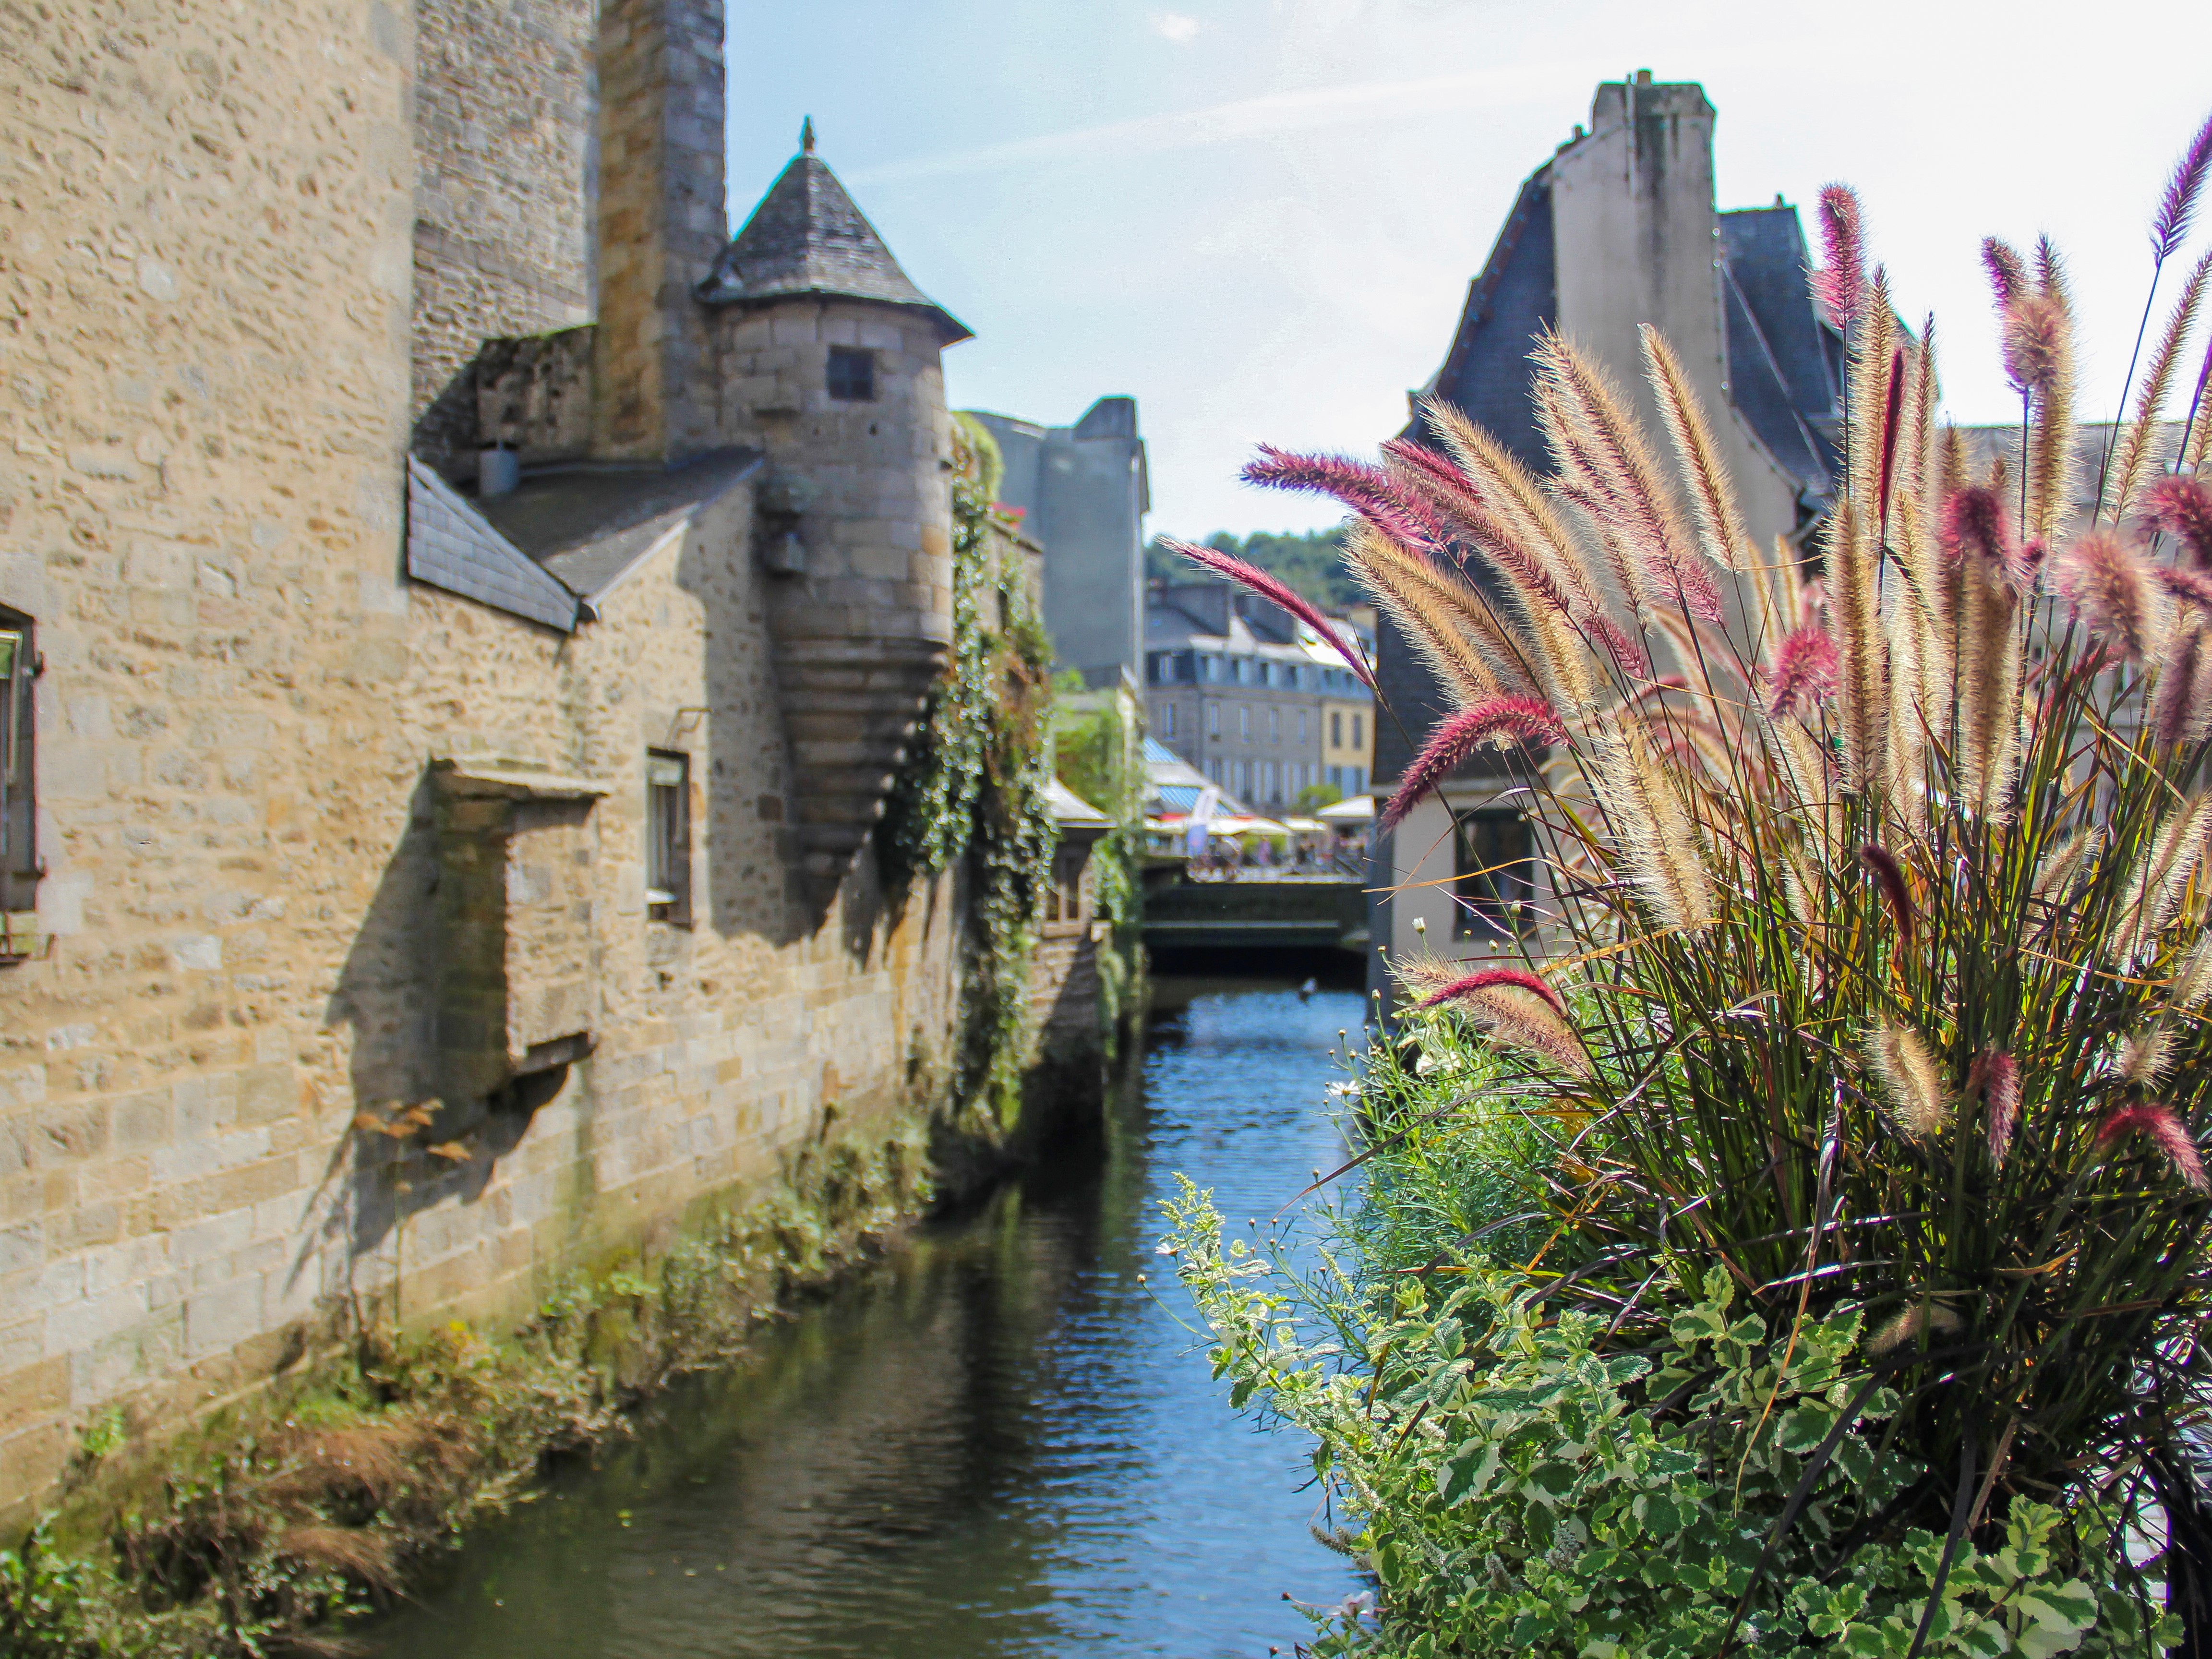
x=2111, y=584
x=1995, y=1077
x=1528, y=720
x=2169, y=227
x=1253, y=580
x=1804, y=672
x=2182, y=507
x=2008, y=270
x=1975, y=523
x=2034, y=341
x=1889, y=875
x=2166, y=1131
x=1489, y=976
x=1840, y=283
x=1360, y=485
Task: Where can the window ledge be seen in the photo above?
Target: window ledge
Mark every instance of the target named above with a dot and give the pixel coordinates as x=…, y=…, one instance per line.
x=502, y=778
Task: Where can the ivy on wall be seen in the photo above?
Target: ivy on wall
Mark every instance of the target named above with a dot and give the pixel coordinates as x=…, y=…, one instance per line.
x=974, y=786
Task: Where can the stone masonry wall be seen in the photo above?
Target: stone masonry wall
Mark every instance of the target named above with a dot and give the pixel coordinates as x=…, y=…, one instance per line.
x=204, y=310
x=206, y=388
x=664, y=223
x=504, y=195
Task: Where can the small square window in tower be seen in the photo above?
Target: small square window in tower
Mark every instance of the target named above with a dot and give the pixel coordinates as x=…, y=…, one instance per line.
x=667, y=836
x=851, y=374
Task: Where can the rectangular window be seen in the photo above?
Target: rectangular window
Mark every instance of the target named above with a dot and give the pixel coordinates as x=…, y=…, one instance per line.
x=1275, y=726
x=1335, y=729
x=19, y=853
x=667, y=836
x=851, y=374
x=1496, y=883
x=1167, y=719
x=1358, y=733
x=1213, y=720
x=1244, y=721
x=1302, y=725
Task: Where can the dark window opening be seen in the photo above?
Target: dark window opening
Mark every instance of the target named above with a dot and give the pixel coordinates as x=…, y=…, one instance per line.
x=1496, y=879
x=667, y=836
x=851, y=374
x=19, y=852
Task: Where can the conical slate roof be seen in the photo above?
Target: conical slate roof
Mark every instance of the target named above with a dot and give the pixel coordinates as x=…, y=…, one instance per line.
x=806, y=237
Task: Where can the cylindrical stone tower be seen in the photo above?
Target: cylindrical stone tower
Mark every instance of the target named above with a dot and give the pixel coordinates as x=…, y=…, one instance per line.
x=828, y=363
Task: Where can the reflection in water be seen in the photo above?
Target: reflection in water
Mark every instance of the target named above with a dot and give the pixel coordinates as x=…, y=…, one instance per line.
x=999, y=1444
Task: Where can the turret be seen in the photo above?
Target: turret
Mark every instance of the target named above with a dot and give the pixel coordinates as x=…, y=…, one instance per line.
x=829, y=358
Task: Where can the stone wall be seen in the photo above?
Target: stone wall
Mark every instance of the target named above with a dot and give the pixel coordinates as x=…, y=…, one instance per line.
x=507, y=174
x=205, y=402
x=204, y=312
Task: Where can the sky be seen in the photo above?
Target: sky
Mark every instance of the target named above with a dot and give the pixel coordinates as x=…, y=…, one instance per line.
x=1260, y=217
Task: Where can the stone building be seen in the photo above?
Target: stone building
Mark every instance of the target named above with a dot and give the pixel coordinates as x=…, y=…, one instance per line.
x=1616, y=229
x=1240, y=689
x=460, y=612
x=1083, y=491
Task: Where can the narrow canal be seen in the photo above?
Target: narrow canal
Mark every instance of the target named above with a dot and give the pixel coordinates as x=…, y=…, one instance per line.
x=1001, y=1443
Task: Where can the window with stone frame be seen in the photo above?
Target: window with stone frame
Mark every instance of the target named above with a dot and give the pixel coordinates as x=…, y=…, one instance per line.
x=667, y=836
x=851, y=374
x=19, y=852
x=1495, y=882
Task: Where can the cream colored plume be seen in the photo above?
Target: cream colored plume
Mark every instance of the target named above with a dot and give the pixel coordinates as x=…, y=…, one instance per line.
x=1910, y=1079
x=2161, y=875
x=1653, y=832
x=1721, y=535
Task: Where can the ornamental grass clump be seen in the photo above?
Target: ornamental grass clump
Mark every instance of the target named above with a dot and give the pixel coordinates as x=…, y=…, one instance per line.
x=1873, y=984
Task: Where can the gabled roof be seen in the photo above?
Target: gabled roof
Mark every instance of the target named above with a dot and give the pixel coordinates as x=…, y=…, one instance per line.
x=807, y=238
x=1781, y=362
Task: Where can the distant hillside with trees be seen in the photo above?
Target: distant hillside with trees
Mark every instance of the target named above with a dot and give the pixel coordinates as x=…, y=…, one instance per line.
x=1311, y=562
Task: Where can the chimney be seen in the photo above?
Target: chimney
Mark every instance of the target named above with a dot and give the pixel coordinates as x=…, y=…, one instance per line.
x=1635, y=236
x=661, y=224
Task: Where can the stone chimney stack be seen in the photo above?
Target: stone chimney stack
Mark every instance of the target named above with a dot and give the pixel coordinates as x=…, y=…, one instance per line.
x=1635, y=234
x=661, y=223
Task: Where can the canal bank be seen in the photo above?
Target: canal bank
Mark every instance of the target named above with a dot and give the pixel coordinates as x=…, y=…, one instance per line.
x=1001, y=1441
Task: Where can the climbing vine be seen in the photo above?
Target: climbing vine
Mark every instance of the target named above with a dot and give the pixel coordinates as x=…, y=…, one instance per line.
x=974, y=786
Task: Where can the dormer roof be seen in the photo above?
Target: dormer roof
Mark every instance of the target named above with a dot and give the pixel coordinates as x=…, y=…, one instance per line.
x=806, y=238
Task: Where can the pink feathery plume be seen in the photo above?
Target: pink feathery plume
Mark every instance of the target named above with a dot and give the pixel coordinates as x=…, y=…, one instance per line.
x=1995, y=1077
x=1528, y=720
x=1489, y=976
x=1253, y=580
x=1892, y=423
x=2190, y=587
x=2008, y=270
x=1804, y=672
x=2169, y=228
x=2034, y=340
x=1883, y=864
x=1840, y=284
x=2110, y=585
x=2166, y=1131
x=1975, y=522
x=2182, y=507
x=1364, y=488
x=2183, y=702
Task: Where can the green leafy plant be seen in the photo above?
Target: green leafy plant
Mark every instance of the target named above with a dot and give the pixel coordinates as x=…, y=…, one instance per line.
x=1526, y=1487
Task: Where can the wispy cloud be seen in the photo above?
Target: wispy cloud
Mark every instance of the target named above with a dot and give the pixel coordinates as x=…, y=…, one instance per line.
x=1176, y=27
x=1248, y=117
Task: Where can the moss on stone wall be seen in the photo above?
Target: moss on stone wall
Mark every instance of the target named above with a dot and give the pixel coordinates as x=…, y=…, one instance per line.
x=316, y=1499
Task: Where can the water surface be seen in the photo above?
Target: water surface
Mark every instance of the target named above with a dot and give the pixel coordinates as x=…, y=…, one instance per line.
x=999, y=1444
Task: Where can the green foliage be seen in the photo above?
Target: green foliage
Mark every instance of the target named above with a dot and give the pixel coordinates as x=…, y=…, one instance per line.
x=1314, y=796
x=974, y=785
x=1524, y=1486
x=1098, y=753
x=1311, y=563
x=43, y=1604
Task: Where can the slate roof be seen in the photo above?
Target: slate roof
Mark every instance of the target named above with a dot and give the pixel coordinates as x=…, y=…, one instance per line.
x=807, y=238
x=450, y=545
x=1785, y=363
x=590, y=527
